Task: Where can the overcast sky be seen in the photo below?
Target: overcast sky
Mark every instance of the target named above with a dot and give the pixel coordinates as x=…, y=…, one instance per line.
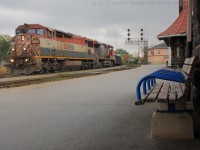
x=104, y=20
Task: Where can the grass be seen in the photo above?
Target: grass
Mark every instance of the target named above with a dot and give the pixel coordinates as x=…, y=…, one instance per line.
x=61, y=77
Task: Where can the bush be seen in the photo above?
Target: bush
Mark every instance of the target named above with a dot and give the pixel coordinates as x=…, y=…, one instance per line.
x=5, y=41
x=3, y=70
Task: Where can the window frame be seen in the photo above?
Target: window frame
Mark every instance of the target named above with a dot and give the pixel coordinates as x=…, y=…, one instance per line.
x=31, y=29
x=38, y=33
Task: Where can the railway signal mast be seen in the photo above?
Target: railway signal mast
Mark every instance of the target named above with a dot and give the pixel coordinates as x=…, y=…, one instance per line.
x=141, y=42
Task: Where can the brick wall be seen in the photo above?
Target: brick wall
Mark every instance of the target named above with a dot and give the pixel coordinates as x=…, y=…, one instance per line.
x=196, y=50
x=196, y=23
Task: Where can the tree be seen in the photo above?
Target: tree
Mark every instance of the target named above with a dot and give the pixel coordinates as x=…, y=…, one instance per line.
x=126, y=56
x=5, y=41
x=121, y=51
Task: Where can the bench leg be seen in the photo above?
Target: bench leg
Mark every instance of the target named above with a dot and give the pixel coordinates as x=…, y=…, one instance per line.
x=180, y=105
x=172, y=125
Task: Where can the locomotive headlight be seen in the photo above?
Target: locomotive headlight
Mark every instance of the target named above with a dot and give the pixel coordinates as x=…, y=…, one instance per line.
x=12, y=60
x=13, y=49
x=26, y=60
x=23, y=38
x=24, y=48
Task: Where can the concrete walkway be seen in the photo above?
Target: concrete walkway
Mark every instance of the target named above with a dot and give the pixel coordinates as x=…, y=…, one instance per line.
x=90, y=113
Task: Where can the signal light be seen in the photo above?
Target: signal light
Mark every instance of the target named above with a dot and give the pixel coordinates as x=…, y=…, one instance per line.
x=128, y=34
x=129, y=39
x=128, y=30
x=141, y=30
x=141, y=39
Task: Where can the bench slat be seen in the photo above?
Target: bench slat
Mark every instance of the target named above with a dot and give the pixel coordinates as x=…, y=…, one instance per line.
x=172, y=97
x=154, y=94
x=141, y=102
x=172, y=94
x=163, y=97
x=179, y=95
x=179, y=90
x=165, y=90
x=152, y=97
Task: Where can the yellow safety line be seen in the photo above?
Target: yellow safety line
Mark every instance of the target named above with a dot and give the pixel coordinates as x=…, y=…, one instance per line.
x=82, y=58
x=64, y=57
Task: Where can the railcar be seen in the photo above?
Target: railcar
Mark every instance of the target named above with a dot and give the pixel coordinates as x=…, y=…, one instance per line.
x=37, y=48
x=118, y=60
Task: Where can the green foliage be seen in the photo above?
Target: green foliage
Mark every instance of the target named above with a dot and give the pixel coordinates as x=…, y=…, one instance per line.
x=4, y=46
x=133, y=61
x=121, y=51
x=136, y=61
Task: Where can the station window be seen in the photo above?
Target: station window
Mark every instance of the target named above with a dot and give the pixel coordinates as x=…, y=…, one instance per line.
x=177, y=51
x=40, y=31
x=158, y=51
x=152, y=53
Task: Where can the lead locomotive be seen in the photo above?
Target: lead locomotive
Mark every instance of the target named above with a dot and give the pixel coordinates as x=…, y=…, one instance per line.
x=37, y=48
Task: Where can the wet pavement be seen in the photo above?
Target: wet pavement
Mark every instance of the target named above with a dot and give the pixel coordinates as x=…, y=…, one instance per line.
x=89, y=113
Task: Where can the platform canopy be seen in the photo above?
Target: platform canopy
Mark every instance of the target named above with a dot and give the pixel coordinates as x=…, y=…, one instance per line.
x=179, y=27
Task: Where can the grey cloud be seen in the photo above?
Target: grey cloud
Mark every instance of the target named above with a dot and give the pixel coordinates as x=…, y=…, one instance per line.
x=91, y=18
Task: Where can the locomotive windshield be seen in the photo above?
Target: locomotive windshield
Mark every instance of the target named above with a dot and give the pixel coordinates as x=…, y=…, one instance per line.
x=21, y=31
x=31, y=31
x=40, y=31
x=37, y=31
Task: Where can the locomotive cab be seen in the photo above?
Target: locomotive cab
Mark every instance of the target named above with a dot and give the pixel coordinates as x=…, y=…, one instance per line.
x=25, y=45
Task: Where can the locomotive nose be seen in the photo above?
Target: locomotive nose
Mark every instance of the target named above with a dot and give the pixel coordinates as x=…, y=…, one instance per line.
x=21, y=44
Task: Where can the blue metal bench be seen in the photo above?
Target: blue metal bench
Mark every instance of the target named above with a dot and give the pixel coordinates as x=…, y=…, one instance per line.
x=169, y=75
x=166, y=92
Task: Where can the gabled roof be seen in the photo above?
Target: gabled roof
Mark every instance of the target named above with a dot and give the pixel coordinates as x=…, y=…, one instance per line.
x=179, y=27
x=162, y=45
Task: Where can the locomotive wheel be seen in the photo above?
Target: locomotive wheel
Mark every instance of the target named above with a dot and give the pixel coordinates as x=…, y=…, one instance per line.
x=83, y=66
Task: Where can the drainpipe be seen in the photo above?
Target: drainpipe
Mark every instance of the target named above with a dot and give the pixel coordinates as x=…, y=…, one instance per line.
x=188, y=52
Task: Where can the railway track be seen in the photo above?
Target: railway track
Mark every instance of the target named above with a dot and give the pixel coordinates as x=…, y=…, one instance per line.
x=18, y=81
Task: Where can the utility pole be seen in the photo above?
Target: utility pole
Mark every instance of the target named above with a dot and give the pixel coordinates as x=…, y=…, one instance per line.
x=141, y=42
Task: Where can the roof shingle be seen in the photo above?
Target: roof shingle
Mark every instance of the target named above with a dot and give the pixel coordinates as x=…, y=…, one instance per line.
x=179, y=27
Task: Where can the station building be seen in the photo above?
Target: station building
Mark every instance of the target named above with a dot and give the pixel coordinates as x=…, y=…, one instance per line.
x=158, y=54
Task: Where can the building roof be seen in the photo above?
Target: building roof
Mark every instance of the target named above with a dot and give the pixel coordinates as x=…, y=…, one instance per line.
x=179, y=27
x=162, y=45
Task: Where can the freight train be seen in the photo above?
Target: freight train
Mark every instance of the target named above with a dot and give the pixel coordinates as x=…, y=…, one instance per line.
x=37, y=48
